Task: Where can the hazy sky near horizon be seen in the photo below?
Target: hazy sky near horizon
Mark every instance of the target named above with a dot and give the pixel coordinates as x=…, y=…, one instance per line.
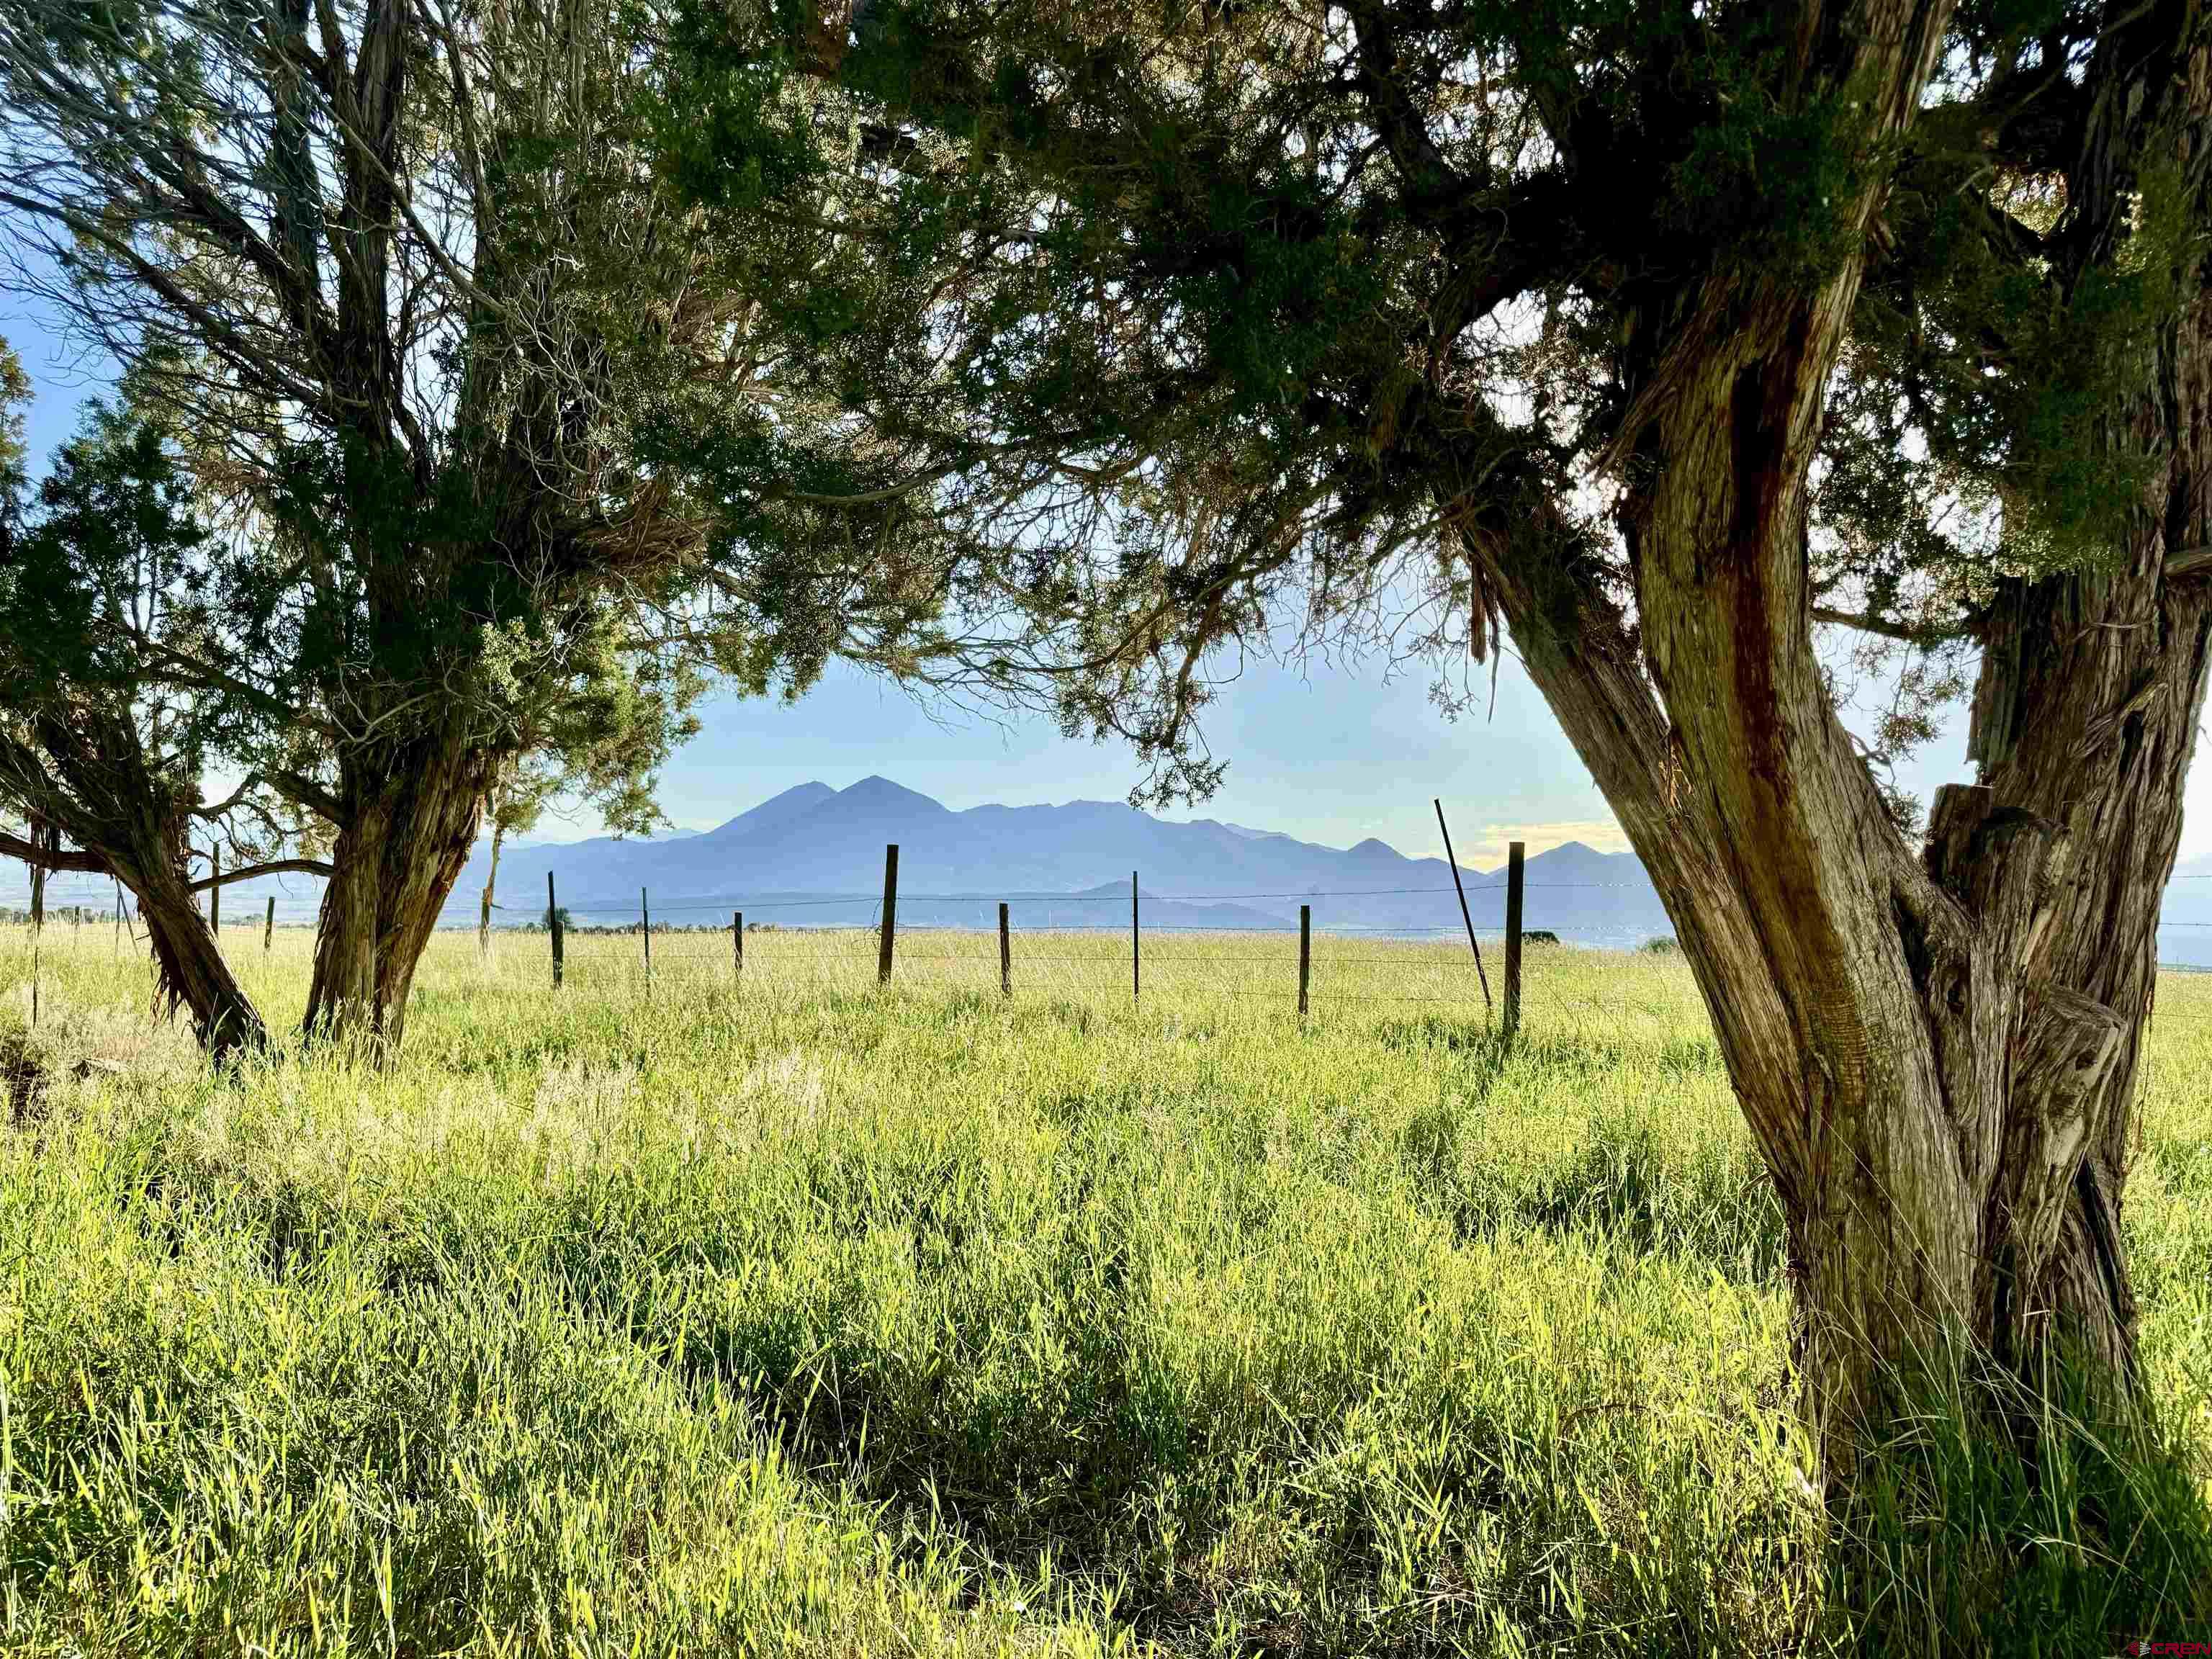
x=1330, y=752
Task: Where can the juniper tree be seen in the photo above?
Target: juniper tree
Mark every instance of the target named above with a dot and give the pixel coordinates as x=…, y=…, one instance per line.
x=1661, y=337
x=103, y=571
x=402, y=276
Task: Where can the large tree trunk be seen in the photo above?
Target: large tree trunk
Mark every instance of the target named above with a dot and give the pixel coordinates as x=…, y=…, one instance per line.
x=189, y=964
x=1936, y=1047
x=410, y=812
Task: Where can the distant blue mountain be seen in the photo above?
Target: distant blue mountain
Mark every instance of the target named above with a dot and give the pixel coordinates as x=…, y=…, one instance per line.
x=814, y=856
x=787, y=861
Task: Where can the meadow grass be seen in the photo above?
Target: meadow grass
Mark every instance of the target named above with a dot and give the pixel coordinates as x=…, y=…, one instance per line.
x=801, y=1316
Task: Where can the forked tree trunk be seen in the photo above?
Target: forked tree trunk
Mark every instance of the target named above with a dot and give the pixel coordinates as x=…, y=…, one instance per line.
x=410, y=818
x=1936, y=1047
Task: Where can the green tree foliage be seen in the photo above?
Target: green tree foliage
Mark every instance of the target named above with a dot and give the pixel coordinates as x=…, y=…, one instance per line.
x=501, y=452
x=1231, y=323
x=107, y=574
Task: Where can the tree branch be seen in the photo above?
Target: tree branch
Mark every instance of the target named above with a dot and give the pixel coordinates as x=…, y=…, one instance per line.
x=48, y=858
x=274, y=867
x=1866, y=622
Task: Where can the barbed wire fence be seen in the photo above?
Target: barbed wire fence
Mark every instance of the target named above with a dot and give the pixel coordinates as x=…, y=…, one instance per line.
x=1029, y=945
x=1051, y=945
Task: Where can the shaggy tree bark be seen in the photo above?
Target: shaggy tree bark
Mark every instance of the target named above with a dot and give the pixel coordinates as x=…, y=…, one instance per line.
x=1936, y=1048
x=408, y=819
x=84, y=776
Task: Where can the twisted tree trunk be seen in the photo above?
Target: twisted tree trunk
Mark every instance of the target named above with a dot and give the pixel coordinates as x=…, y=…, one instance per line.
x=189, y=964
x=409, y=816
x=1936, y=1047
x=89, y=777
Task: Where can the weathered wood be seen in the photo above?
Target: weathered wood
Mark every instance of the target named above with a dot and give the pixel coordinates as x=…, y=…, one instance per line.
x=410, y=808
x=1306, y=955
x=38, y=915
x=1516, y=860
x=890, y=924
x=645, y=924
x=1005, y=953
x=486, y=906
x=737, y=944
x=553, y=927
x=1136, y=944
x=268, y=926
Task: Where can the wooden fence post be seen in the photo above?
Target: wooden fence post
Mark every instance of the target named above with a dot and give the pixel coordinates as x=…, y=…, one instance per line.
x=645, y=920
x=38, y=915
x=890, y=914
x=1136, y=944
x=1306, y=955
x=553, y=927
x=737, y=942
x=1511, y=1024
x=118, y=950
x=268, y=926
x=215, y=894
x=1006, y=955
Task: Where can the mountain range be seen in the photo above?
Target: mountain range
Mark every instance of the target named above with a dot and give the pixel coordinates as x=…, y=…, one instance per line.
x=814, y=856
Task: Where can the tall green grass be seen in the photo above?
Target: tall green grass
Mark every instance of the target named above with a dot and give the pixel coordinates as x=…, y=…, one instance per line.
x=807, y=1318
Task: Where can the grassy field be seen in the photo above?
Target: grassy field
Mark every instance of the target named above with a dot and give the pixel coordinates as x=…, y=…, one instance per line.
x=805, y=1318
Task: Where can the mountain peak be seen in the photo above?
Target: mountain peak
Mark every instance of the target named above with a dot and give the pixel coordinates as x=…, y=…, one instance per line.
x=879, y=793
x=775, y=811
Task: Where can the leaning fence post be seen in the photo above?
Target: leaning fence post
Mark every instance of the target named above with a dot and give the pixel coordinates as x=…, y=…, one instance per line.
x=1514, y=855
x=215, y=893
x=1460, y=887
x=118, y=950
x=738, y=942
x=645, y=919
x=890, y=914
x=1006, y=955
x=1136, y=944
x=1306, y=955
x=268, y=926
x=553, y=927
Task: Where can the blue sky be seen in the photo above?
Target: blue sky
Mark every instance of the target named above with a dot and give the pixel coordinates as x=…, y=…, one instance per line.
x=1331, y=753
